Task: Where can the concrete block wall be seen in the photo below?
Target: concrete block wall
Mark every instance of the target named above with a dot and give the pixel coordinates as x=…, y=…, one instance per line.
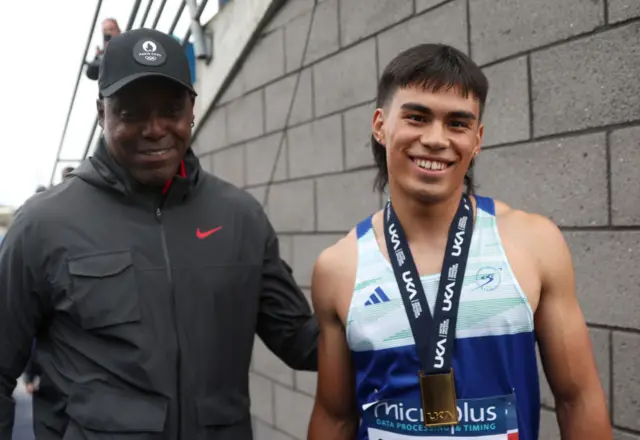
x=562, y=139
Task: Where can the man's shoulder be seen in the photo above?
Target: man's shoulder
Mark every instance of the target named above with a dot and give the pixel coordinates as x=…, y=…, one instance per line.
x=537, y=233
x=343, y=254
x=41, y=215
x=222, y=191
x=46, y=206
x=523, y=220
x=339, y=261
x=334, y=274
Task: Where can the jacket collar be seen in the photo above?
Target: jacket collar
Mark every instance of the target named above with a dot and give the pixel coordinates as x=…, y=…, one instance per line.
x=103, y=171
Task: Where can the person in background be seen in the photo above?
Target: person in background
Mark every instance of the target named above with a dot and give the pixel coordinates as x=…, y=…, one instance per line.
x=110, y=29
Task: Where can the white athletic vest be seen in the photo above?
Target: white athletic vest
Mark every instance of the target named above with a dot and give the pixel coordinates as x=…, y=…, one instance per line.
x=494, y=352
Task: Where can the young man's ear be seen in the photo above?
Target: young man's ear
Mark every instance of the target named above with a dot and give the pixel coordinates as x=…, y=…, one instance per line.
x=100, y=108
x=377, y=126
x=479, y=136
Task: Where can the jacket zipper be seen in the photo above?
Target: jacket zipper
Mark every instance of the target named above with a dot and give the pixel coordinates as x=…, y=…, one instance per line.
x=167, y=261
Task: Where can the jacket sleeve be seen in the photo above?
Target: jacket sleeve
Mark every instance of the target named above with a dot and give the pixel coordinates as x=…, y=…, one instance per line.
x=286, y=323
x=20, y=312
x=31, y=369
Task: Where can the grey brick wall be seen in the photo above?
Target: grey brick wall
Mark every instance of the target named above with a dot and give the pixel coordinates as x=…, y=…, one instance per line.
x=562, y=139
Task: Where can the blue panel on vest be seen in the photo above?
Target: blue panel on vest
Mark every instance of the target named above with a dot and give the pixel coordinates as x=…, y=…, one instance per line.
x=486, y=204
x=364, y=226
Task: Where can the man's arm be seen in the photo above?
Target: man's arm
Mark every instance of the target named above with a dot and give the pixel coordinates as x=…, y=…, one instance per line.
x=335, y=412
x=285, y=324
x=20, y=313
x=563, y=337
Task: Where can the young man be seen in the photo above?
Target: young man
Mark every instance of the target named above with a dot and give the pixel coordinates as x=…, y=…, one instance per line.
x=144, y=278
x=430, y=309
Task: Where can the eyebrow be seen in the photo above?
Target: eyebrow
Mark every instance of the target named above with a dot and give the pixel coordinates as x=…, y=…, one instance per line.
x=460, y=114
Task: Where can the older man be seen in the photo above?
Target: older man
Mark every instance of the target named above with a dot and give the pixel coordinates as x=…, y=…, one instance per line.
x=143, y=277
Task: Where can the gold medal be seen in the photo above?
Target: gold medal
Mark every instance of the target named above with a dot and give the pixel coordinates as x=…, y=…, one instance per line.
x=439, y=407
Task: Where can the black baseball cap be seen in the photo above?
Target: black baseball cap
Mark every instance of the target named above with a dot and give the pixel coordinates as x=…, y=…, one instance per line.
x=142, y=53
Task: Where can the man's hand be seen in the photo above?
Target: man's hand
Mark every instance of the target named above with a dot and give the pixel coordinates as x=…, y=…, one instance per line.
x=563, y=337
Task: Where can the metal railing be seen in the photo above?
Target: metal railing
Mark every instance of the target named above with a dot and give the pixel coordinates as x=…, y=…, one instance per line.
x=194, y=22
x=75, y=90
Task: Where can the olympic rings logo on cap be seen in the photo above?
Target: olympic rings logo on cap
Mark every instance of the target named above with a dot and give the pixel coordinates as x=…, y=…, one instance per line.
x=149, y=53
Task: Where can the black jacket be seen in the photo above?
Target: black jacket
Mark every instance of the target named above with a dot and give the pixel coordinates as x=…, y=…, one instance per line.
x=145, y=327
x=31, y=370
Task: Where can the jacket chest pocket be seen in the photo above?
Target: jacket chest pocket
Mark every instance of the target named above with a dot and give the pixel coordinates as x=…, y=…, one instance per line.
x=103, y=290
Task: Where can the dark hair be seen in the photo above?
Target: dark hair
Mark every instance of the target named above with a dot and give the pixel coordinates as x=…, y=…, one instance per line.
x=432, y=67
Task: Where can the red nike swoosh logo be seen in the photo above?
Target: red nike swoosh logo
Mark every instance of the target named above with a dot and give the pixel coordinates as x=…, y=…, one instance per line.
x=202, y=235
